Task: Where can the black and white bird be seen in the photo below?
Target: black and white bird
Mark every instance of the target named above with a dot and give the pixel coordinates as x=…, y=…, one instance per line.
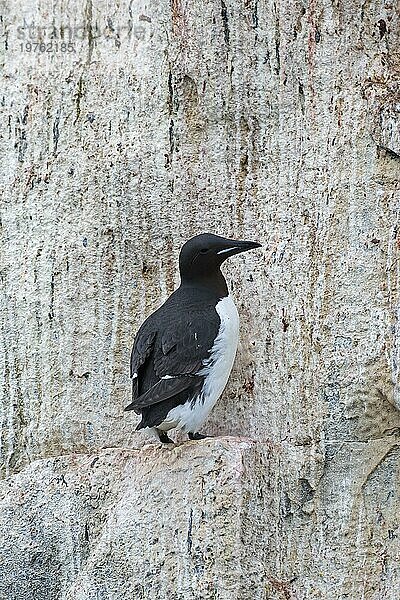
x=183, y=353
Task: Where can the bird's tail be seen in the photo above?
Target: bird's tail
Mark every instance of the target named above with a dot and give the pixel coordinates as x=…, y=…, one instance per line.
x=130, y=406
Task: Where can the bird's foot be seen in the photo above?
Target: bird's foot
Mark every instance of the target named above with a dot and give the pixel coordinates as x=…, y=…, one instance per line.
x=164, y=437
x=197, y=436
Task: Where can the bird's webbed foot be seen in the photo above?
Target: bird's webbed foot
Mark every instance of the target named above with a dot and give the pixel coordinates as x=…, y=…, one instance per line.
x=164, y=437
x=197, y=436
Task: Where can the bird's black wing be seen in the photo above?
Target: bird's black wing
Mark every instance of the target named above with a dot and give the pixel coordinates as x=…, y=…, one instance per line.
x=142, y=349
x=164, y=389
x=167, y=356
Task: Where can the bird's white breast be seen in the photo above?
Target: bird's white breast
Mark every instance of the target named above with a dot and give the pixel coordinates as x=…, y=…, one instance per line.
x=216, y=370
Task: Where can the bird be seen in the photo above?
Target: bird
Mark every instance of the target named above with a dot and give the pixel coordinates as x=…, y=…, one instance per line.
x=183, y=353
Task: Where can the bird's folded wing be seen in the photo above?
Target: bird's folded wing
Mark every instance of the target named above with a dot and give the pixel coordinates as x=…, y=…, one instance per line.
x=167, y=355
x=141, y=349
x=164, y=389
x=186, y=343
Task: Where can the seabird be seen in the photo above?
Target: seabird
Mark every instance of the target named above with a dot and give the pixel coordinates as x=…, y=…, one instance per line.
x=183, y=353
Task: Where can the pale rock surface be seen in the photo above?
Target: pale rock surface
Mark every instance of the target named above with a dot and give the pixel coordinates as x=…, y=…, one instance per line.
x=165, y=523
x=274, y=121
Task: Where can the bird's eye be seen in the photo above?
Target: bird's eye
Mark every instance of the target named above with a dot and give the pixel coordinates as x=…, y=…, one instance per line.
x=204, y=251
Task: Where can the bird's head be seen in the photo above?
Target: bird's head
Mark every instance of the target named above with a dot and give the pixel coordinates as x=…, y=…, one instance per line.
x=201, y=257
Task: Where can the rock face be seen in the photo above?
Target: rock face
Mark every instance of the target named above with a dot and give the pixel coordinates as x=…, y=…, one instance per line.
x=156, y=523
x=126, y=128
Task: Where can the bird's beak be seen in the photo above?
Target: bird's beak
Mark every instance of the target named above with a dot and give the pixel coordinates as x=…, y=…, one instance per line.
x=233, y=247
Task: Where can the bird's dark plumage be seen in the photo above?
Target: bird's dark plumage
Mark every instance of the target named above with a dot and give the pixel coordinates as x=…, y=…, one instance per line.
x=169, y=343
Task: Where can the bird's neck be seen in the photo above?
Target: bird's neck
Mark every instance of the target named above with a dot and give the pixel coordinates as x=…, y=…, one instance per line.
x=214, y=282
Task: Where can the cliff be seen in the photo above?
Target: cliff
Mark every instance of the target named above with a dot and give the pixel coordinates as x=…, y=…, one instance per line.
x=155, y=121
